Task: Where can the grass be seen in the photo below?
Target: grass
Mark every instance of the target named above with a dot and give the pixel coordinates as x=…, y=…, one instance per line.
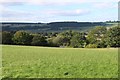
x=39, y=62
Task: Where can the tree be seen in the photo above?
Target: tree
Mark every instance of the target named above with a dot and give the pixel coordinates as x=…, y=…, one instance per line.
x=60, y=40
x=0, y=37
x=113, y=37
x=63, y=38
x=7, y=37
x=50, y=42
x=67, y=34
x=39, y=40
x=78, y=41
x=22, y=37
x=97, y=36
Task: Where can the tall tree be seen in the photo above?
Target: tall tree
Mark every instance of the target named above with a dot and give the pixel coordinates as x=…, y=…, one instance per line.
x=63, y=38
x=113, y=35
x=22, y=37
x=39, y=40
x=7, y=37
x=0, y=37
x=97, y=36
x=60, y=40
x=78, y=41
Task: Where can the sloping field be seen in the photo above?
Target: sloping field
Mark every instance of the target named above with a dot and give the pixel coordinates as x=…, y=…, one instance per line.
x=43, y=62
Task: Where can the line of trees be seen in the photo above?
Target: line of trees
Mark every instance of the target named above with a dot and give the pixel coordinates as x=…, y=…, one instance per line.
x=99, y=37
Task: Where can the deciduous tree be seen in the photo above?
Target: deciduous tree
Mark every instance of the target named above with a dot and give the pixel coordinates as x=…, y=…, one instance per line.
x=22, y=37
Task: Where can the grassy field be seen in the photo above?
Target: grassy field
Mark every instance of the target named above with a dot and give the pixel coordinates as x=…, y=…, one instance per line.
x=39, y=62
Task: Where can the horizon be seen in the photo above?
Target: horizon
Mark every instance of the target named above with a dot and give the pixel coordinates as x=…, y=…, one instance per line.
x=59, y=21
x=46, y=11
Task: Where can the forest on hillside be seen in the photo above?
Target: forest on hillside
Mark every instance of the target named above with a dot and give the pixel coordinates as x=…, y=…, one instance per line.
x=53, y=26
x=98, y=37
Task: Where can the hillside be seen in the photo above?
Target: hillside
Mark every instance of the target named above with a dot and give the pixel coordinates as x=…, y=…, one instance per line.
x=50, y=27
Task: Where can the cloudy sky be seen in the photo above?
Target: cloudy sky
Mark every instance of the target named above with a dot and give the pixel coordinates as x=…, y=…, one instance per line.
x=58, y=10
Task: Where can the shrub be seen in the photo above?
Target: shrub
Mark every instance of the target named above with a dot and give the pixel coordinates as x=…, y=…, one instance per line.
x=91, y=46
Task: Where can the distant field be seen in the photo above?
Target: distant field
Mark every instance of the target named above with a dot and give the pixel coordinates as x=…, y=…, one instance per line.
x=41, y=62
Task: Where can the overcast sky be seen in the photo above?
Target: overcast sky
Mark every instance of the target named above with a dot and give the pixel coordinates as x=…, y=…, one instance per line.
x=58, y=10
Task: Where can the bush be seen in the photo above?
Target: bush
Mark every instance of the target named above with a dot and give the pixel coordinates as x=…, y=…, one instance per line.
x=91, y=46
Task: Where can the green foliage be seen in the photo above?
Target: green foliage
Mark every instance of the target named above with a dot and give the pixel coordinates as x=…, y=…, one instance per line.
x=0, y=37
x=51, y=27
x=78, y=41
x=39, y=40
x=22, y=37
x=100, y=36
x=91, y=46
x=60, y=40
x=102, y=43
x=51, y=42
x=40, y=62
x=113, y=37
x=67, y=35
x=96, y=34
x=7, y=37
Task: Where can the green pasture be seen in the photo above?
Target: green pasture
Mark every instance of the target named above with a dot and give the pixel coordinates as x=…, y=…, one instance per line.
x=44, y=62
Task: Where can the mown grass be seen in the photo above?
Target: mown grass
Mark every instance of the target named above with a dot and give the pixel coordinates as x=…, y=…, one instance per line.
x=39, y=62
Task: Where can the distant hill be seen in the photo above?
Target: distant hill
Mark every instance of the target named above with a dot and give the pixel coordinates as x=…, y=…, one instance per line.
x=50, y=27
